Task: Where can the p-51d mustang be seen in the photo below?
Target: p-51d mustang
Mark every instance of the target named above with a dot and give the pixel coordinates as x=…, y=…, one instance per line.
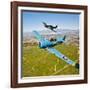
x=48, y=45
x=50, y=27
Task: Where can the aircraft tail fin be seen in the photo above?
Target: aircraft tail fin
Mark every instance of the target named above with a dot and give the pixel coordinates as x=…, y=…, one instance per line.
x=44, y=23
x=56, y=26
x=64, y=37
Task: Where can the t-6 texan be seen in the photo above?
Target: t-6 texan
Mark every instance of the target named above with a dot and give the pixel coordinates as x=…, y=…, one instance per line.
x=48, y=45
x=50, y=27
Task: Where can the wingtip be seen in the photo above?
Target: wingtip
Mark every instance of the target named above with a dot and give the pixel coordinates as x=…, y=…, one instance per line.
x=77, y=65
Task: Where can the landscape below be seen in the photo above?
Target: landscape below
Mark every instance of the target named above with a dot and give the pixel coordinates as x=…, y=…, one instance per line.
x=39, y=62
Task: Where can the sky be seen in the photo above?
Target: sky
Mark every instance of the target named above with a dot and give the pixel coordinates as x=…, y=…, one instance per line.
x=33, y=20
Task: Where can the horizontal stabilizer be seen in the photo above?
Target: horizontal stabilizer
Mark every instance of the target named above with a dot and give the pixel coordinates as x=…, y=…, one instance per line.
x=61, y=40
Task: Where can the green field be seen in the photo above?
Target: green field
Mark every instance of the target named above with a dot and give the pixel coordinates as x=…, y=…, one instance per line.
x=39, y=62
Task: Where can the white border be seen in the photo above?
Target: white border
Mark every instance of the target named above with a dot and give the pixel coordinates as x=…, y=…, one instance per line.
x=52, y=78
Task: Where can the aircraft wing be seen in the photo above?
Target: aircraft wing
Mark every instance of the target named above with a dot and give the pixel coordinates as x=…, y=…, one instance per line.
x=38, y=36
x=61, y=56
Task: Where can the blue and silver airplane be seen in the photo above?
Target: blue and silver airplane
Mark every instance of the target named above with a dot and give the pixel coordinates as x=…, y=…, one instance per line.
x=48, y=45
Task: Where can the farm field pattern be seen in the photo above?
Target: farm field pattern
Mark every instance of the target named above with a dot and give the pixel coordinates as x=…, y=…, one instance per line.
x=39, y=62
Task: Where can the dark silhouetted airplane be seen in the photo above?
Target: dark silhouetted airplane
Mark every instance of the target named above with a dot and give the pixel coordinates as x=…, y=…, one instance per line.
x=50, y=26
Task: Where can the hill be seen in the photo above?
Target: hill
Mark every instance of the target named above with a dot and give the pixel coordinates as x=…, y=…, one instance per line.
x=72, y=36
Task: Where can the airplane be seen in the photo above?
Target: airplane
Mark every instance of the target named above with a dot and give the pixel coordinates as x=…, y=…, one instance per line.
x=47, y=45
x=50, y=27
